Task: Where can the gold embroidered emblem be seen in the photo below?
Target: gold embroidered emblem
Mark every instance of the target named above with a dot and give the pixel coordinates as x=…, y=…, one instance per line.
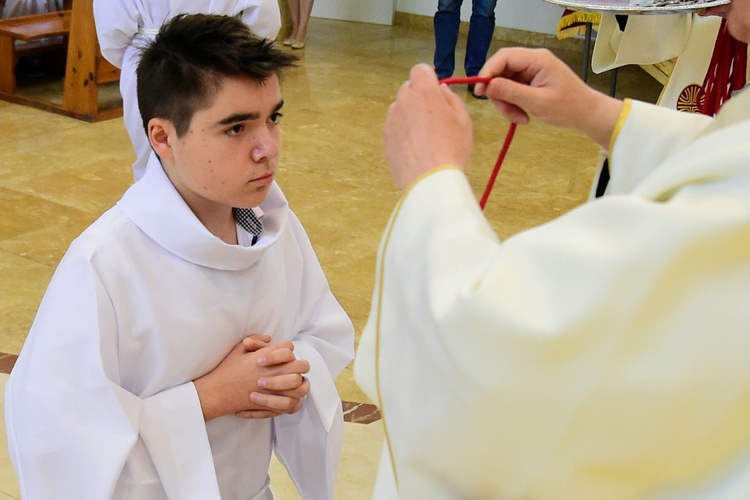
x=691, y=99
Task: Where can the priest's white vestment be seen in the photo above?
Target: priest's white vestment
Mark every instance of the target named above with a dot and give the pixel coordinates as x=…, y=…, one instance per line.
x=123, y=27
x=100, y=403
x=601, y=355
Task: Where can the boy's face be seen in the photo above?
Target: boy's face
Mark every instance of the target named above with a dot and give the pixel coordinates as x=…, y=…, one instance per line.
x=229, y=155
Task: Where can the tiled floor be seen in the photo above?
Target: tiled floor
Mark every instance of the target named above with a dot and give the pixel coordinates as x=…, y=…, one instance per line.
x=8, y=481
x=58, y=174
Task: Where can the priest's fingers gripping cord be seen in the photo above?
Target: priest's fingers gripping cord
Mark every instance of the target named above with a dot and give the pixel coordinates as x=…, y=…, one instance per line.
x=471, y=80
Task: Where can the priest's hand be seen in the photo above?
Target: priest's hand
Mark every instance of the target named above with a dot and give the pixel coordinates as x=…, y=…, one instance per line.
x=535, y=82
x=721, y=11
x=261, y=383
x=427, y=127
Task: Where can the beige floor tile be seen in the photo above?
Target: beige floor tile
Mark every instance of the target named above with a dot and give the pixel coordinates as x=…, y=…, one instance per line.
x=8, y=480
x=22, y=284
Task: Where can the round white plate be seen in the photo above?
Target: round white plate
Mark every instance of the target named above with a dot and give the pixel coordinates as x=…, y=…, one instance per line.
x=631, y=7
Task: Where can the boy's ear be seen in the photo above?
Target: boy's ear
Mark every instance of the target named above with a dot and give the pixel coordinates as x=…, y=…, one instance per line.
x=160, y=134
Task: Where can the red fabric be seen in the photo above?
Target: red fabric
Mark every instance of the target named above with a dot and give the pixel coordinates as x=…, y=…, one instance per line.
x=727, y=71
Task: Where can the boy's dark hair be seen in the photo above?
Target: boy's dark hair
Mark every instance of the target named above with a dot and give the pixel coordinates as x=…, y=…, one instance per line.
x=182, y=69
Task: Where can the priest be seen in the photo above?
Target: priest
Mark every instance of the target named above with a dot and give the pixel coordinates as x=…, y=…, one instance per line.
x=600, y=355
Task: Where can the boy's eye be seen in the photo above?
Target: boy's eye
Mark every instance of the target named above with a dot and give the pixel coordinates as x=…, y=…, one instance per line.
x=235, y=130
x=276, y=118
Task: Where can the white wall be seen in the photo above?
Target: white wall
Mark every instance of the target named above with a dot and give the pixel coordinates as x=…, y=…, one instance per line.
x=528, y=15
x=366, y=11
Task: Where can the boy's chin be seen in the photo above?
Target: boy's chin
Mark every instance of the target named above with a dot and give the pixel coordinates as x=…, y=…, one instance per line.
x=257, y=199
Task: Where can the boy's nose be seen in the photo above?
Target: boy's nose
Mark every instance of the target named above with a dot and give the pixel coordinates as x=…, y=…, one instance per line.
x=267, y=146
x=258, y=154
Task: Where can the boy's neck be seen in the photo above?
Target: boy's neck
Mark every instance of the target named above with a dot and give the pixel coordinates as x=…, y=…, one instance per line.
x=217, y=218
x=220, y=223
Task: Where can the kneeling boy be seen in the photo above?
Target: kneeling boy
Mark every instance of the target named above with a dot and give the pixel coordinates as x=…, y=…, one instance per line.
x=190, y=330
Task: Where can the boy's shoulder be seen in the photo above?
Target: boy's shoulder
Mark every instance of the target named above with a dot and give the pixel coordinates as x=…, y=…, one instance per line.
x=101, y=249
x=102, y=231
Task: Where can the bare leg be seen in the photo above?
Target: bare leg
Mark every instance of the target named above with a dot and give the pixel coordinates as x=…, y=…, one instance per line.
x=305, y=8
x=294, y=13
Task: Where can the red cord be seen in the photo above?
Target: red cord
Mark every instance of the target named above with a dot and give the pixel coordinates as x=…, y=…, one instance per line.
x=498, y=164
x=470, y=80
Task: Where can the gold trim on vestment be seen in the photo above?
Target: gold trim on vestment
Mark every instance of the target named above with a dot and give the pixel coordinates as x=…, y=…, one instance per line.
x=380, y=280
x=624, y=112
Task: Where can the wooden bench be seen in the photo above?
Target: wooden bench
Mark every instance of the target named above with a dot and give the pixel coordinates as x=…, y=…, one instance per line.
x=85, y=67
x=27, y=30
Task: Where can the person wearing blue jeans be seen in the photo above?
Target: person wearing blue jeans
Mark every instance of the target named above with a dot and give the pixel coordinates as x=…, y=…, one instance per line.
x=481, y=26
